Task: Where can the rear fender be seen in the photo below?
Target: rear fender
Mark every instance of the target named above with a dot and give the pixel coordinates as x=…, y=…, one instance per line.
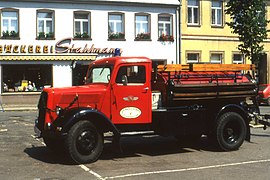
x=238, y=109
x=71, y=117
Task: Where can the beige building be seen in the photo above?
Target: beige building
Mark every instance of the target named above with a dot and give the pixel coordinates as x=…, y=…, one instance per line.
x=207, y=39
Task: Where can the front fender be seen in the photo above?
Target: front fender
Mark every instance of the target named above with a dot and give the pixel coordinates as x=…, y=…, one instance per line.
x=72, y=116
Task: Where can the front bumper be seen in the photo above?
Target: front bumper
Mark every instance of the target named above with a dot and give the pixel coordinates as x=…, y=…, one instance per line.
x=49, y=132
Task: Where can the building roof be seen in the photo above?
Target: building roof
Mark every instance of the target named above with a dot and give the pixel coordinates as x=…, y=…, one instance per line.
x=124, y=2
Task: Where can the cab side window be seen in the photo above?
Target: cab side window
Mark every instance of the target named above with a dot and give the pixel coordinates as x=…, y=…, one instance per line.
x=135, y=74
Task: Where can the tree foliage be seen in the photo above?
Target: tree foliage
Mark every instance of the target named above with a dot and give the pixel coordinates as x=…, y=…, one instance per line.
x=249, y=22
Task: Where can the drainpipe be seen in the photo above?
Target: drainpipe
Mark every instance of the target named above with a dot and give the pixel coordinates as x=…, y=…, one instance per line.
x=179, y=33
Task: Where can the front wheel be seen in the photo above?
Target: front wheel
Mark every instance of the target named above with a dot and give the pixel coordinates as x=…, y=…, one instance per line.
x=231, y=131
x=84, y=143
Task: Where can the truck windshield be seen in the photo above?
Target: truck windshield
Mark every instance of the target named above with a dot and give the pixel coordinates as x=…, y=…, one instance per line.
x=98, y=75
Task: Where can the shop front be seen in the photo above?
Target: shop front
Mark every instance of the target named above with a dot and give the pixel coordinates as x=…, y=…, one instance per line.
x=50, y=44
x=25, y=72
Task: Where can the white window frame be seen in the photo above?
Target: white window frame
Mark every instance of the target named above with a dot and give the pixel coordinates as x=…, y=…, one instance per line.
x=81, y=21
x=141, y=23
x=189, y=61
x=45, y=21
x=164, y=23
x=214, y=14
x=234, y=61
x=9, y=19
x=193, y=7
x=221, y=57
x=115, y=23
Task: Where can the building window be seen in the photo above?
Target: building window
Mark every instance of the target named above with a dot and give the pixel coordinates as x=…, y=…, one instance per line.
x=165, y=28
x=82, y=25
x=193, y=12
x=26, y=78
x=45, y=25
x=193, y=57
x=238, y=59
x=9, y=24
x=116, y=26
x=216, y=58
x=142, y=27
x=217, y=13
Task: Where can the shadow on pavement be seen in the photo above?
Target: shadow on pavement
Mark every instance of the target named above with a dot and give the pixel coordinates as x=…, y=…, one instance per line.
x=131, y=146
x=261, y=135
x=42, y=153
x=155, y=146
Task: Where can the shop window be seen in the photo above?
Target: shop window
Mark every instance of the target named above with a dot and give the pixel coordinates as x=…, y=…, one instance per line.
x=217, y=13
x=26, y=78
x=193, y=15
x=238, y=59
x=193, y=57
x=45, y=24
x=165, y=27
x=82, y=25
x=116, y=26
x=78, y=74
x=142, y=27
x=9, y=24
x=216, y=58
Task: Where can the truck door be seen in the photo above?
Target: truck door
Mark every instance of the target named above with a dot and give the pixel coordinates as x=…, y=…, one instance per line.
x=131, y=94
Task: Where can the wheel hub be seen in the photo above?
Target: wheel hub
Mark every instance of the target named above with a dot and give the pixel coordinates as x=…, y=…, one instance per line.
x=86, y=142
x=231, y=134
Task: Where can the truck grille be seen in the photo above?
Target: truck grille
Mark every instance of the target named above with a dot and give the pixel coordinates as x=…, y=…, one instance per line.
x=42, y=105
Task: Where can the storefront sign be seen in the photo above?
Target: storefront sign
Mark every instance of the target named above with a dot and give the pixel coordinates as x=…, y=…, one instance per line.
x=61, y=47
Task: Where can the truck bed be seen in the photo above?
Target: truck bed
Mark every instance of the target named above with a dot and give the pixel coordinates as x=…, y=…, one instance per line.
x=192, y=86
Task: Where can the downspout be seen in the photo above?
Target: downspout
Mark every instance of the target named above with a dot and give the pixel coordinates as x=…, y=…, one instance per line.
x=179, y=34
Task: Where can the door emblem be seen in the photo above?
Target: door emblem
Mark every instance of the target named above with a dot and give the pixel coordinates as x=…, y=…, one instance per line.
x=130, y=98
x=130, y=112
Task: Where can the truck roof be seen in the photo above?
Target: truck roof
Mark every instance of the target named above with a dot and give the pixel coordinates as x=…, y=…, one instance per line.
x=121, y=59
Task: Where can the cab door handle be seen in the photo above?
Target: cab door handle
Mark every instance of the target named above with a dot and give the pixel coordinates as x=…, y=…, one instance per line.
x=147, y=88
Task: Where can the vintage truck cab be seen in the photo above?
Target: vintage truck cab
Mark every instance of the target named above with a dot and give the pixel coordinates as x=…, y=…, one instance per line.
x=130, y=94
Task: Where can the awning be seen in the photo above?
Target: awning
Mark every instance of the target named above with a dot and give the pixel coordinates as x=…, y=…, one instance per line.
x=48, y=58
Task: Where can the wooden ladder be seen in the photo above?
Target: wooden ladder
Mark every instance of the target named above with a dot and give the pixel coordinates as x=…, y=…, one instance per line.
x=205, y=67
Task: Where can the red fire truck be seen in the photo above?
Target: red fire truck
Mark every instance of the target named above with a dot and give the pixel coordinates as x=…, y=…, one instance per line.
x=130, y=94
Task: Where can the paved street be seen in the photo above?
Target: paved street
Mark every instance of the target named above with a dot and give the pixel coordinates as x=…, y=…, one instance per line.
x=147, y=157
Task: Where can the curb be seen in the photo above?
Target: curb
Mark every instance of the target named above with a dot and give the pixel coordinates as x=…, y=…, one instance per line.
x=256, y=125
x=18, y=109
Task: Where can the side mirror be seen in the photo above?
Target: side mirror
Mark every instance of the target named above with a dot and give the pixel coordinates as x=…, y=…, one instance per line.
x=124, y=80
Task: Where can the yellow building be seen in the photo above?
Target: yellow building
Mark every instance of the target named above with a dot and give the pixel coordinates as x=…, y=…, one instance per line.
x=207, y=39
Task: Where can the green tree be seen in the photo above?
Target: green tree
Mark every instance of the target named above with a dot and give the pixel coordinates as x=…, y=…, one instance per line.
x=248, y=20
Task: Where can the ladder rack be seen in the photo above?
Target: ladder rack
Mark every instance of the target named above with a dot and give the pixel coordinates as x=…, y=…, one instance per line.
x=205, y=67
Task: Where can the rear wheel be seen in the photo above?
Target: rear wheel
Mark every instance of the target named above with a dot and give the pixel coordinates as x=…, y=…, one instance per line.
x=230, y=131
x=84, y=143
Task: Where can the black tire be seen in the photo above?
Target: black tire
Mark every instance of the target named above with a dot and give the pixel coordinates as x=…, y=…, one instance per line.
x=55, y=145
x=84, y=143
x=231, y=131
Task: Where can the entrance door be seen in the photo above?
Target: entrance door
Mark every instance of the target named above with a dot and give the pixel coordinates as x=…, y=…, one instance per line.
x=263, y=70
x=78, y=74
x=131, y=95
